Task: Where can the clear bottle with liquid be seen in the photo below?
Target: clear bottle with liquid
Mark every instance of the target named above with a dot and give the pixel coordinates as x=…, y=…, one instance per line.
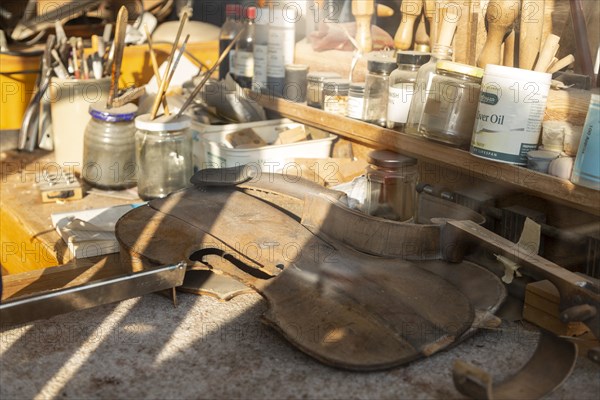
x=423, y=88
x=229, y=30
x=377, y=88
x=244, y=51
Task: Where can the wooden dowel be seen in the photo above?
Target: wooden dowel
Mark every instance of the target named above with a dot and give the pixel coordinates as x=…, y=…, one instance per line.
x=509, y=50
x=163, y=86
x=548, y=51
x=560, y=64
x=530, y=31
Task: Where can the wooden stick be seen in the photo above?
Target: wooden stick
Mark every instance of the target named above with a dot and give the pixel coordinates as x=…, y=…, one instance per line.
x=509, y=50
x=530, y=31
x=500, y=16
x=554, y=61
x=560, y=64
x=430, y=13
x=210, y=72
x=155, y=68
x=176, y=62
x=548, y=51
x=446, y=32
x=119, y=45
x=411, y=10
x=163, y=86
x=129, y=96
x=363, y=11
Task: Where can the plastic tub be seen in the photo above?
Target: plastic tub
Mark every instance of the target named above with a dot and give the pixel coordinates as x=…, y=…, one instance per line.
x=212, y=151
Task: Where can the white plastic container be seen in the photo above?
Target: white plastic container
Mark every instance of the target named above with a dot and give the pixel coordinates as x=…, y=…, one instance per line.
x=211, y=149
x=510, y=113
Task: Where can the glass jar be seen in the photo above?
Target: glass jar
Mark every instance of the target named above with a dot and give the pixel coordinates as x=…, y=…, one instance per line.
x=377, y=88
x=402, y=86
x=391, y=185
x=423, y=87
x=109, y=148
x=316, y=81
x=335, y=96
x=164, y=155
x=356, y=101
x=450, y=109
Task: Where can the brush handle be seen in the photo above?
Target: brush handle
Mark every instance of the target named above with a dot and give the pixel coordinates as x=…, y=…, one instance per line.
x=363, y=12
x=410, y=9
x=532, y=25
x=500, y=16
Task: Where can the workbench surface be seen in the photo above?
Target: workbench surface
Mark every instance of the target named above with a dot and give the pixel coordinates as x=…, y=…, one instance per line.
x=204, y=348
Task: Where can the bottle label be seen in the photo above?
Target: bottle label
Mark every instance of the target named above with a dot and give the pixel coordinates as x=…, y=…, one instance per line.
x=281, y=51
x=262, y=16
x=232, y=66
x=355, y=107
x=260, y=65
x=244, y=65
x=399, y=101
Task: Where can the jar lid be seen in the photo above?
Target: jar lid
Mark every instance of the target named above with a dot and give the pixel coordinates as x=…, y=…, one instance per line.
x=464, y=69
x=162, y=123
x=381, y=64
x=251, y=12
x=357, y=87
x=321, y=76
x=336, y=85
x=412, y=57
x=389, y=159
x=116, y=114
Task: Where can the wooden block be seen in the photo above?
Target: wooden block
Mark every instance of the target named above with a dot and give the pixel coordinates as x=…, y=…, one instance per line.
x=542, y=308
x=246, y=138
x=293, y=135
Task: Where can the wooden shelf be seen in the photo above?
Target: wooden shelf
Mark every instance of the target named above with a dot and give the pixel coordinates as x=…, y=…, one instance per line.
x=525, y=180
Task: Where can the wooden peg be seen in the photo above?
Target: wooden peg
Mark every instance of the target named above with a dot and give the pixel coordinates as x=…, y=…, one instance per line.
x=363, y=12
x=548, y=51
x=422, y=39
x=560, y=64
x=410, y=11
x=384, y=11
x=448, y=27
x=500, y=16
x=430, y=9
x=530, y=31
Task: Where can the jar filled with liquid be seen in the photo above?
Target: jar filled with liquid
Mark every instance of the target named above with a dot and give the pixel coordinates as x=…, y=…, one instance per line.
x=423, y=88
x=402, y=86
x=335, y=96
x=316, y=82
x=377, y=89
x=109, y=148
x=391, y=185
x=163, y=154
x=450, y=109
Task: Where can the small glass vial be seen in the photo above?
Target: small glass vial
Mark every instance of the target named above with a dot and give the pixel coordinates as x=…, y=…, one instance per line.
x=402, y=86
x=423, y=88
x=391, y=185
x=450, y=109
x=377, y=88
x=109, y=148
x=316, y=81
x=356, y=101
x=164, y=155
x=335, y=96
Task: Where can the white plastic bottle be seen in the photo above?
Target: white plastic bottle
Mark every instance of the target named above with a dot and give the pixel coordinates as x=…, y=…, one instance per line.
x=282, y=40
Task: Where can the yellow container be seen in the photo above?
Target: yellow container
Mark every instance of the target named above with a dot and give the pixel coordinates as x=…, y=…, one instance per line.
x=17, y=80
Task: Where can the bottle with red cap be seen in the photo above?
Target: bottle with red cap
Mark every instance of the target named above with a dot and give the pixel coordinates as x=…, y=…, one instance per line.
x=230, y=28
x=244, y=51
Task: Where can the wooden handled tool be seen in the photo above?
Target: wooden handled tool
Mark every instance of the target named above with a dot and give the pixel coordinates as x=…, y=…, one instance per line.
x=155, y=67
x=411, y=10
x=422, y=39
x=363, y=12
x=448, y=27
x=430, y=9
x=119, y=47
x=509, y=50
x=560, y=64
x=500, y=16
x=548, y=51
x=532, y=25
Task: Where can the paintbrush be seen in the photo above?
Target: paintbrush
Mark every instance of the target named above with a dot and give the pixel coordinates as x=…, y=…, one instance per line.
x=118, y=44
x=155, y=68
x=198, y=87
x=163, y=85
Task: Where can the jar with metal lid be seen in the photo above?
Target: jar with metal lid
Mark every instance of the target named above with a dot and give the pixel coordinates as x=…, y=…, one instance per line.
x=423, y=88
x=402, y=86
x=377, y=88
x=391, y=185
x=109, y=148
x=164, y=155
x=316, y=81
x=335, y=96
x=356, y=101
x=450, y=110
